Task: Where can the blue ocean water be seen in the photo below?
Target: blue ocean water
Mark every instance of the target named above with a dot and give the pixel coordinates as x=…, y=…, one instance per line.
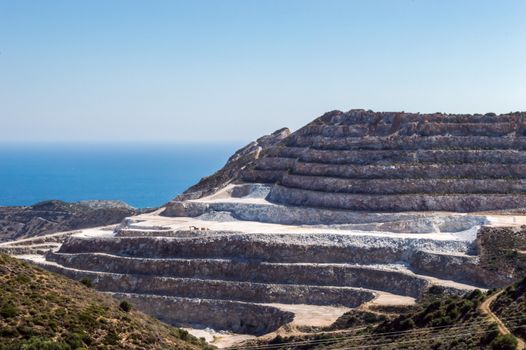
x=141, y=175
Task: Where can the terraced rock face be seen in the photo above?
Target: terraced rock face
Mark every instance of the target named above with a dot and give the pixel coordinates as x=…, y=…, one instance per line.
x=245, y=275
x=362, y=160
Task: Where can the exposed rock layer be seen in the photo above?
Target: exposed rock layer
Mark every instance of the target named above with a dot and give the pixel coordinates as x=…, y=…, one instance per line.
x=362, y=160
x=243, y=158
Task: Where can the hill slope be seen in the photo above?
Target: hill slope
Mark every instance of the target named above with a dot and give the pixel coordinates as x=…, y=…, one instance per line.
x=55, y=216
x=42, y=310
x=513, y=302
x=438, y=322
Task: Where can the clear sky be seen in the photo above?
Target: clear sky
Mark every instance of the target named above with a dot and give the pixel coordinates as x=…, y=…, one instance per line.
x=219, y=70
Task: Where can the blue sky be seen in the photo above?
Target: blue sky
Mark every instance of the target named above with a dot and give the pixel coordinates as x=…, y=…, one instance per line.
x=180, y=71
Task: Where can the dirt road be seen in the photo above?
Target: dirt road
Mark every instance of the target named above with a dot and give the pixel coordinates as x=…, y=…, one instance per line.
x=485, y=308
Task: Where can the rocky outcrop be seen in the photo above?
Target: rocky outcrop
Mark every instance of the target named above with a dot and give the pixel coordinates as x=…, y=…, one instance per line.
x=55, y=216
x=302, y=215
x=242, y=159
x=218, y=314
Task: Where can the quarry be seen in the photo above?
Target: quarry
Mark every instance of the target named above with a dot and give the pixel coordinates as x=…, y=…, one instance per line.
x=357, y=209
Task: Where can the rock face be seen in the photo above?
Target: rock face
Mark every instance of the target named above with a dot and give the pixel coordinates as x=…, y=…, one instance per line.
x=362, y=160
x=54, y=216
x=243, y=158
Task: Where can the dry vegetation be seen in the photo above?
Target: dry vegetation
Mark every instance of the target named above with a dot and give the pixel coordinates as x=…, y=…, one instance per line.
x=42, y=310
x=438, y=322
x=503, y=250
x=512, y=302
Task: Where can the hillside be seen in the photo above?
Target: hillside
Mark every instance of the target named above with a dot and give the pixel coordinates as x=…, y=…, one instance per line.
x=55, y=216
x=42, y=310
x=439, y=321
x=512, y=302
x=503, y=251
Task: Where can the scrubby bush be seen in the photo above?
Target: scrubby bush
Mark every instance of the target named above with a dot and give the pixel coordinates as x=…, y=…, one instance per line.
x=8, y=311
x=125, y=306
x=406, y=324
x=74, y=340
x=504, y=342
x=442, y=321
x=491, y=333
x=476, y=294
x=87, y=282
x=466, y=306
x=433, y=306
x=453, y=313
x=111, y=338
x=183, y=334
x=370, y=317
x=44, y=344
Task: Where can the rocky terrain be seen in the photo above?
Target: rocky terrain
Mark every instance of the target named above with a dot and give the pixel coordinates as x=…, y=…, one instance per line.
x=42, y=310
x=356, y=211
x=55, y=216
x=243, y=158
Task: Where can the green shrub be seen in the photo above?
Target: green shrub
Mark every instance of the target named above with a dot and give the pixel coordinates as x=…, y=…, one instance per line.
x=369, y=317
x=87, y=282
x=406, y=324
x=125, y=306
x=466, y=306
x=23, y=279
x=491, y=333
x=43, y=344
x=453, y=313
x=183, y=334
x=8, y=311
x=504, y=342
x=433, y=306
x=476, y=294
x=74, y=340
x=25, y=331
x=8, y=332
x=430, y=317
x=111, y=338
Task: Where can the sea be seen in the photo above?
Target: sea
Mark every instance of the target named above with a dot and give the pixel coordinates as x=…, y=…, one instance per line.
x=144, y=176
